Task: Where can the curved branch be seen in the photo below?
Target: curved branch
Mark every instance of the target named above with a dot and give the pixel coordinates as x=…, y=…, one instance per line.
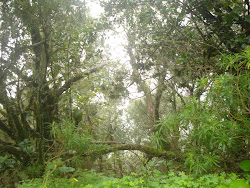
x=7, y=130
x=150, y=151
x=10, y=149
x=70, y=82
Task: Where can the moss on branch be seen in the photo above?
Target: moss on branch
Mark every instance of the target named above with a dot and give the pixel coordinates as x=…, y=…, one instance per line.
x=153, y=152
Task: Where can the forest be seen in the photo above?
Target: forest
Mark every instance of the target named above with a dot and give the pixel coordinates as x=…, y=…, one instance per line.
x=124, y=93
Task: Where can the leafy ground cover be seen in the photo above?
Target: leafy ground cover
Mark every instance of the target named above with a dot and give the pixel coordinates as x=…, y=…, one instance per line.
x=155, y=178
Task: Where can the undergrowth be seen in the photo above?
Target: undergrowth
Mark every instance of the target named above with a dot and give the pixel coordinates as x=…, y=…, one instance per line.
x=91, y=179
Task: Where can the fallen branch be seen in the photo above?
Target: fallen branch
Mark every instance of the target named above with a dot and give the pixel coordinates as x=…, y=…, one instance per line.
x=150, y=151
x=107, y=142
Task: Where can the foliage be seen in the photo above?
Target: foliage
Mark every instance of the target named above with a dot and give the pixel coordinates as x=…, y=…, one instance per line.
x=245, y=165
x=70, y=136
x=46, y=46
x=215, y=128
x=80, y=178
x=153, y=178
x=188, y=59
x=6, y=162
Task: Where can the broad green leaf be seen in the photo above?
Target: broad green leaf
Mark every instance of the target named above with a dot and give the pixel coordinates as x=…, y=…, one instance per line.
x=157, y=171
x=221, y=186
x=238, y=10
x=66, y=169
x=245, y=165
x=150, y=163
x=247, y=18
x=238, y=184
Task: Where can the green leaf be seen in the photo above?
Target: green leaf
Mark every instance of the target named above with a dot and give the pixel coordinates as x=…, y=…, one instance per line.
x=150, y=163
x=245, y=165
x=247, y=18
x=3, y=159
x=238, y=10
x=66, y=169
x=238, y=184
x=157, y=171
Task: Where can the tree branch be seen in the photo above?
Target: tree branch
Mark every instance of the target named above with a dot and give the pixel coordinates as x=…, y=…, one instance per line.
x=6, y=147
x=107, y=142
x=116, y=147
x=6, y=130
x=70, y=82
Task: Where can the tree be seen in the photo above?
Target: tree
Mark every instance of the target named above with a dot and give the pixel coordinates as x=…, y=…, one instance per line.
x=226, y=21
x=175, y=44
x=45, y=49
x=161, y=56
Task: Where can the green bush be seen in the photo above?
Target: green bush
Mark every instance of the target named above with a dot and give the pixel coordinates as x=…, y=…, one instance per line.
x=212, y=130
